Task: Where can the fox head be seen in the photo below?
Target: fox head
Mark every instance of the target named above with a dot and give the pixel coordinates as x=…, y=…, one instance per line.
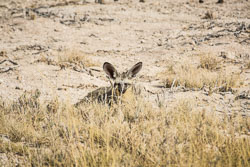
x=120, y=82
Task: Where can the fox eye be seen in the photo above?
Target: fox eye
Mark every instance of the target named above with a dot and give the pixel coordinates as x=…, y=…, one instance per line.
x=121, y=85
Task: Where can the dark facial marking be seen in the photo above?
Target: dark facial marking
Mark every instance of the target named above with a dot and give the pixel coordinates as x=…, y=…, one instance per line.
x=122, y=87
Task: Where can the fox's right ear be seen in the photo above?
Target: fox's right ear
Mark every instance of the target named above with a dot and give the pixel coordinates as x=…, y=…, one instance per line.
x=110, y=70
x=134, y=70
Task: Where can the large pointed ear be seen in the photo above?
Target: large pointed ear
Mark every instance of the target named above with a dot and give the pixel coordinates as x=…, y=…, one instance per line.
x=110, y=70
x=134, y=70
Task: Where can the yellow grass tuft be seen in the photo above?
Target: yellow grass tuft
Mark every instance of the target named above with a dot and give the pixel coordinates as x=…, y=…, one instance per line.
x=124, y=135
x=248, y=64
x=192, y=76
x=208, y=15
x=209, y=61
x=68, y=58
x=75, y=56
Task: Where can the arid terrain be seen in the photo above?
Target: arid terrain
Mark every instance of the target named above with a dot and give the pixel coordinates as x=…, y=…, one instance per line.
x=193, y=53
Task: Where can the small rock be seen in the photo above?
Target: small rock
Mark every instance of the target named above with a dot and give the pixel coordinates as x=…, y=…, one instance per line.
x=18, y=88
x=61, y=89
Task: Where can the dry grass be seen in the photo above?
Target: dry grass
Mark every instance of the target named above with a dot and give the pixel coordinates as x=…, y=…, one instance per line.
x=57, y=134
x=209, y=61
x=248, y=65
x=75, y=56
x=69, y=58
x=208, y=15
x=193, y=76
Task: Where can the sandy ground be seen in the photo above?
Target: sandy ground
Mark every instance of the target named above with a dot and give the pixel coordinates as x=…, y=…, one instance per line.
x=123, y=33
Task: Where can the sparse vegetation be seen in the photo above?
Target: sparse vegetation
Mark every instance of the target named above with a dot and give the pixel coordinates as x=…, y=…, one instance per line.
x=248, y=65
x=191, y=76
x=68, y=57
x=137, y=134
x=208, y=15
x=74, y=56
x=209, y=61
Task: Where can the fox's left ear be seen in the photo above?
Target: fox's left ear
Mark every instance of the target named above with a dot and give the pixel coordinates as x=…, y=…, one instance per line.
x=134, y=70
